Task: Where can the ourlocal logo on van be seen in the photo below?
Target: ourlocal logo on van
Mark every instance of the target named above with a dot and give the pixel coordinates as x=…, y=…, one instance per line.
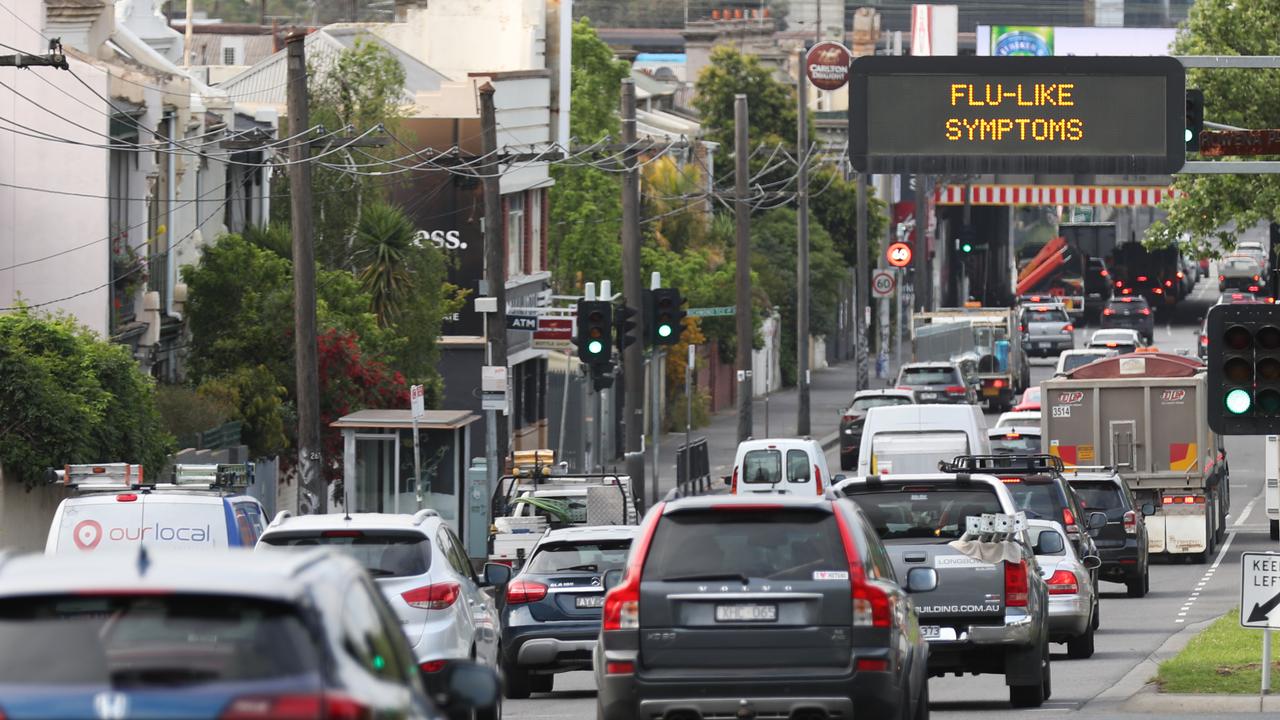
x=1173, y=396
x=87, y=534
x=1071, y=397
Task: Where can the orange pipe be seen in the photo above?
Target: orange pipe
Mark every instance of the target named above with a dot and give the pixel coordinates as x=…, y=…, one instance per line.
x=1049, y=249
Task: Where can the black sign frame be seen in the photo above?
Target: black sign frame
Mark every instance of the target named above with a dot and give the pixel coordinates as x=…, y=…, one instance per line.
x=1164, y=68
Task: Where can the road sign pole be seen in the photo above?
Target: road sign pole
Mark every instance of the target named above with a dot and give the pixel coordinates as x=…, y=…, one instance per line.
x=1266, y=662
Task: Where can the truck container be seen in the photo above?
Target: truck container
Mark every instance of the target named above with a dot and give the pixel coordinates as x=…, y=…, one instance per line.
x=1143, y=415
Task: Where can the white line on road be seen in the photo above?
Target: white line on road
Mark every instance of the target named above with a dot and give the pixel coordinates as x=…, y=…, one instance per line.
x=1247, y=509
x=1208, y=574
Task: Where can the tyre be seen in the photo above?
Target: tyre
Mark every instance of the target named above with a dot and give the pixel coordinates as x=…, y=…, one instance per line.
x=1275, y=529
x=1146, y=581
x=922, y=703
x=1023, y=696
x=542, y=683
x=1081, y=647
x=493, y=713
x=1137, y=587
x=1097, y=615
x=518, y=682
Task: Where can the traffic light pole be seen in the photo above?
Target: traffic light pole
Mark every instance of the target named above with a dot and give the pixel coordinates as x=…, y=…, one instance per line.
x=632, y=292
x=802, y=256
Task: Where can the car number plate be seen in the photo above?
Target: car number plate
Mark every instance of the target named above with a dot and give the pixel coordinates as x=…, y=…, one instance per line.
x=589, y=601
x=937, y=632
x=990, y=391
x=1042, y=346
x=928, y=396
x=744, y=612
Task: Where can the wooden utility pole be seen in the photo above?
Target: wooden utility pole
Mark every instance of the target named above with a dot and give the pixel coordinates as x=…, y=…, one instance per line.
x=633, y=296
x=802, y=250
x=862, y=289
x=310, y=459
x=742, y=216
x=495, y=275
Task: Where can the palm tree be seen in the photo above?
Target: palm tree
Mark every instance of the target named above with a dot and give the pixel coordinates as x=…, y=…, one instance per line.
x=383, y=241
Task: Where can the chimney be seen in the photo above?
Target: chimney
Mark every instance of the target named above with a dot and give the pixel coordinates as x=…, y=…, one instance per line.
x=715, y=14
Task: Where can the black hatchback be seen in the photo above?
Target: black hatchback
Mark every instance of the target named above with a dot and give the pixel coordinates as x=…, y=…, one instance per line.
x=737, y=607
x=1122, y=542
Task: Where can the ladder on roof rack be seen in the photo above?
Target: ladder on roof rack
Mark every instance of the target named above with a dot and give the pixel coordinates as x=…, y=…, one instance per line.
x=98, y=476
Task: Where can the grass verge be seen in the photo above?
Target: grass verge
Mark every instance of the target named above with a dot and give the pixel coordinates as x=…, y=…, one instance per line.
x=1225, y=658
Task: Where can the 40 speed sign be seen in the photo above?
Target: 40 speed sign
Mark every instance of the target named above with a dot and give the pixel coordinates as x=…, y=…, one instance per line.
x=898, y=254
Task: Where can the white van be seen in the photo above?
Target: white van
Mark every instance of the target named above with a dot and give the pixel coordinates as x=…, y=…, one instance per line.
x=913, y=438
x=789, y=466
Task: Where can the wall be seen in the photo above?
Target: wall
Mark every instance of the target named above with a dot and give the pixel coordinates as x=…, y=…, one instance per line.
x=25, y=516
x=457, y=37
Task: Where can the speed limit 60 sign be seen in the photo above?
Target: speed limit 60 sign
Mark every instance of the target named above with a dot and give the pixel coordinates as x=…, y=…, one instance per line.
x=882, y=284
x=898, y=254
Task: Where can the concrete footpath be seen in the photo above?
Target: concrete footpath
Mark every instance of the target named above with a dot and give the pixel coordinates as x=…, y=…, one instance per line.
x=830, y=392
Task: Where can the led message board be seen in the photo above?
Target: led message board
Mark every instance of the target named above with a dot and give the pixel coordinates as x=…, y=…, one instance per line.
x=1106, y=115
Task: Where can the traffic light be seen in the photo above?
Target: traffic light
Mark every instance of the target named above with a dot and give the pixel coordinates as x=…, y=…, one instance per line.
x=594, y=334
x=1195, y=119
x=967, y=240
x=624, y=327
x=668, y=315
x=1244, y=370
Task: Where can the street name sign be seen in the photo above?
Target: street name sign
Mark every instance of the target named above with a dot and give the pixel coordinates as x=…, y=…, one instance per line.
x=1069, y=114
x=1260, y=590
x=721, y=311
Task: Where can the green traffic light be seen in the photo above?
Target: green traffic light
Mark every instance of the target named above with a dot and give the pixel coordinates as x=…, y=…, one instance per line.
x=1187, y=135
x=664, y=330
x=595, y=347
x=1238, y=401
x=966, y=247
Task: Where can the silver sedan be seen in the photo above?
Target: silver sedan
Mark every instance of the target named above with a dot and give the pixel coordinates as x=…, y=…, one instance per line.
x=1073, y=597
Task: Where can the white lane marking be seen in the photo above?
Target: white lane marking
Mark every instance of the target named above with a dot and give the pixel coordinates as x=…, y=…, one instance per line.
x=1208, y=574
x=1223, y=552
x=1247, y=509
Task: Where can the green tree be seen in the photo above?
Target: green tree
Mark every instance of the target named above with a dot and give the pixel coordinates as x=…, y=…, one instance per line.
x=384, y=239
x=69, y=396
x=833, y=202
x=771, y=105
x=1213, y=206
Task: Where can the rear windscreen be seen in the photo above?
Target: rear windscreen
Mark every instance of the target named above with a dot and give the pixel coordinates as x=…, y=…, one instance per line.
x=927, y=376
x=384, y=554
x=1100, y=496
x=1071, y=362
x=762, y=466
x=1016, y=444
x=923, y=512
x=1038, y=315
x=1041, y=499
x=866, y=403
x=773, y=544
x=593, y=556
x=151, y=641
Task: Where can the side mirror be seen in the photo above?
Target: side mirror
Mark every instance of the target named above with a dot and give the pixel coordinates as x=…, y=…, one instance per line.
x=1148, y=509
x=921, y=580
x=1049, y=543
x=1097, y=520
x=728, y=480
x=496, y=574
x=1091, y=562
x=467, y=689
x=612, y=578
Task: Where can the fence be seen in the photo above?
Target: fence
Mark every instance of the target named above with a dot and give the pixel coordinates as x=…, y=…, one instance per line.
x=696, y=458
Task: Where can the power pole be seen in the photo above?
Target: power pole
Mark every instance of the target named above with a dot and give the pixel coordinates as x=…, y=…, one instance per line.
x=494, y=265
x=802, y=252
x=862, y=289
x=310, y=460
x=632, y=295
x=742, y=216
x=921, y=262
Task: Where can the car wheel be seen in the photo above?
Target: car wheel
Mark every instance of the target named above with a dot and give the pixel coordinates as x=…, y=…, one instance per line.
x=1081, y=647
x=1137, y=587
x=1033, y=695
x=542, y=683
x=493, y=713
x=1146, y=581
x=922, y=703
x=518, y=686
x=1097, y=612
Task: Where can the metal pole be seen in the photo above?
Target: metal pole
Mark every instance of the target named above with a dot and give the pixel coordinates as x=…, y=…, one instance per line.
x=862, y=286
x=1266, y=661
x=742, y=218
x=688, y=414
x=564, y=407
x=655, y=412
x=632, y=295
x=494, y=262
x=768, y=376
x=921, y=261
x=417, y=470
x=802, y=258
x=490, y=420
x=310, y=461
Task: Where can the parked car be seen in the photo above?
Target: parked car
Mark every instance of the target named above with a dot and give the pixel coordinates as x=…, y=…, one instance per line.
x=783, y=608
x=1122, y=542
x=1015, y=440
x=790, y=466
x=1132, y=312
x=1030, y=400
x=935, y=382
x=854, y=415
x=1046, y=329
x=1018, y=417
x=551, y=616
x=1073, y=595
x=1072, y=359
x=419, y=564
x=161, y=633
x=981, y=618
x=1119, y=340
x=1239, y=272
x=914, y=438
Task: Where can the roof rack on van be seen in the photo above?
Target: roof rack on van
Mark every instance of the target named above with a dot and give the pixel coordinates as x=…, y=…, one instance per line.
x=98, y=476
x=421, y=516
x=209, y=476
x=1005, y=463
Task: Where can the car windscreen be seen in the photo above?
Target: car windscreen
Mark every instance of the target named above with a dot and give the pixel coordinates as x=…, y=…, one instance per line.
x=1071, y=362
x=923, y=512
x=159, y=641
x=866, y=403
x=1015, y=444
x=1046, y=314
x=762, y=466
x=594, y=556
x=772, y=544
x=1101, y=496
x=928, y=376
x=383, y=553
x=1039, y=497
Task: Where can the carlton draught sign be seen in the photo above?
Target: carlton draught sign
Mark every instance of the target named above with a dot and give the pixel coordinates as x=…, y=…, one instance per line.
x=827, y=65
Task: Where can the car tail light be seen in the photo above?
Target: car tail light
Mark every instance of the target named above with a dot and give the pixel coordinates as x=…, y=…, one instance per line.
x=1168, y=283
x=1063, y=582
x=1145, y=311
x=520, y=592
x=322, y=706
x=622, y=603
x=122, y=497
x=1068, y=328
x=998, y=383
x=437, y=596
x=1142, y=278
x=1108, y=311
x=870, y=603
x=1181, y=275
x=1015, y=583
x=1069, y=520
x=1131, y=523
x=1128, y=291
x=734, y=487
x=1204, y=340
x=872, y=665
x=1254, y=288
x=817, y=478
x=1158, y=291
x=847, y=418
x=1022, y=328
x=955, y=390
x=1221, y=278
x=1103, y=273
x=903, y=387
x=1119, y=284
x=432, y=666
x=620, y=668
x=1257, y=278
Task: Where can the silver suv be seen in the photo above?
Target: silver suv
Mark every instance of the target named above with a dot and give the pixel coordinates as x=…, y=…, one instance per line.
x=446, y=610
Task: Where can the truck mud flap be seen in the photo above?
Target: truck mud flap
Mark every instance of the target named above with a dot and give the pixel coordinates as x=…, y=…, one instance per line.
x=1176, y=534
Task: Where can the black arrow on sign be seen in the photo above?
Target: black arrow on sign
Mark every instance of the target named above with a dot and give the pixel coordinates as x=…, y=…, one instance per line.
x=1261, y=612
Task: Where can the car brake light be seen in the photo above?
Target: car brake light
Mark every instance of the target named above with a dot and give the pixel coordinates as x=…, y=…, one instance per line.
x=955, y=389
x=1128, y=290
x=1069, y=520
x=1119, y=283
x=1068, y=328
x=622, y=603
x=1257, y=278
x=437, y=596
x=296, y=707
x=432, y=666
x=1142, y=278
x=1011, y=480
x=1063, y=582
x=1254, y=288
x=619, y=668
x=342, y=533
x=1204, y=339
x=1145, y=311
x=1181, y=275
x=733, y=489
x=1168, y=283
x=1012, y=436
x=1221, y=278
x=1103, y=273
x=1015, y=583
x=525, y=591
x=1108, y=311
x=817, y=478
x=870, y=603
x=1131, y=523
x=904, y=387
x=1022, y=328
x=1158, y=291
x=122, y=497
x=998, y=383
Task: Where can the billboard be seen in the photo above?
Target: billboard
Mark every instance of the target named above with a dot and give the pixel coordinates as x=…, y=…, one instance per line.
x=1020, y=40
x=1061, y=41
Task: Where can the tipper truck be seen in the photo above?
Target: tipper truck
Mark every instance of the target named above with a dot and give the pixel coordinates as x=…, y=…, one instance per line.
x=1143, y=415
